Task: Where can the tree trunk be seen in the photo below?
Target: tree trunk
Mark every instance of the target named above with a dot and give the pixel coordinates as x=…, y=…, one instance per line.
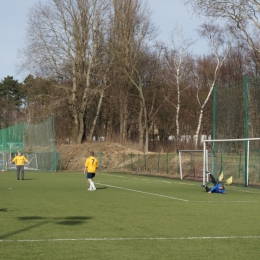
x=196, y=141
x=74, y=129
x=109, y=130
x=125, y=121
x=80, y=128
x=121, y=117
x=97, y=114
x=145, y=119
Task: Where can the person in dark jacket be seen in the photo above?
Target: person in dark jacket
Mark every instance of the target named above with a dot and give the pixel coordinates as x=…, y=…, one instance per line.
x=217, y=188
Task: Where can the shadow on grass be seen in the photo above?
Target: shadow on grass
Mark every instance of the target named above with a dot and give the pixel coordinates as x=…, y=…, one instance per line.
x=67, y=221
x=30, y=218
x=4, y=209
x=70, y=221
x=23, y=229
x=101, y=188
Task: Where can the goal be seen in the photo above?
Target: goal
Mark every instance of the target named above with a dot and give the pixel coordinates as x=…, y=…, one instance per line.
x=34, y=138
x=32, y=162
x=3, y=162
x=233, y=159
x=6, y=158
x=191, y=164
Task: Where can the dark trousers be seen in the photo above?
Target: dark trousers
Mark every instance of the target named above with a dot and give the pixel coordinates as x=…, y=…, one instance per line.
x=213, y=180
x=20, y=168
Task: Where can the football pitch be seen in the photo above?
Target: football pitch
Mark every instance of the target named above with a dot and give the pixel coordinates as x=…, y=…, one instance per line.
x=54, y=216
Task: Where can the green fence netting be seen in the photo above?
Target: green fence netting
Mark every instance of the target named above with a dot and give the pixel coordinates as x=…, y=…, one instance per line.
x=32, y=139
x=236, y=115
x=154, y=163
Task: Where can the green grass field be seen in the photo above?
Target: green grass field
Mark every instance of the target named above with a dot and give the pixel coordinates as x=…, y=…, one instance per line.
x=54, y=216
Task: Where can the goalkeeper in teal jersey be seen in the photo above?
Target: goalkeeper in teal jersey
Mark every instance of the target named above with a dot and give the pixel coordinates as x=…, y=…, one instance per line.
x=217, y=188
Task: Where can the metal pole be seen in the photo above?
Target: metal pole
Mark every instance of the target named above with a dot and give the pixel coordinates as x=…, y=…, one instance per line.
x=139, y=162
x=144, y=162
x=158, y=163
x=207, y=163
x=246, y=128
x=54, y=167
x=204, y=162
x=132, y=161
x=180, y=165
x=247, y=164
x=167, y=161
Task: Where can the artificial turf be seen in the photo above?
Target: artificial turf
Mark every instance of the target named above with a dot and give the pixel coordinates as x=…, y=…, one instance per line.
x=54, y=216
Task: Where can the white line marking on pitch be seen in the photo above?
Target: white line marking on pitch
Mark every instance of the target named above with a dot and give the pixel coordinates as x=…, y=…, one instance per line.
x=143, y=192
x=117, y=176
x=199, y=201
x=181, y=183
x=248, y=191
x=128, y=239
x=230, y=201
x=121, y=182
x=190, y=184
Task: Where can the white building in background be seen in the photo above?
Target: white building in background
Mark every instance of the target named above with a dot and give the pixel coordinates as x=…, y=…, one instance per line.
x=189, y=138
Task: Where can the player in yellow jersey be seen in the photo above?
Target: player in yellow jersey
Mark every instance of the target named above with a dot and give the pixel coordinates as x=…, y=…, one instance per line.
x=91, y=165
x=19, y=161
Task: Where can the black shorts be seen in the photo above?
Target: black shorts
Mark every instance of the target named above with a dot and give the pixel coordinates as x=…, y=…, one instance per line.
x=90, y=175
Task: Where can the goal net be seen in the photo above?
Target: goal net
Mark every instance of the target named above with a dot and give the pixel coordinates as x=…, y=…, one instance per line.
x=6, y=158
x=36, y=139
x=191, y=164
x=3, y=162
x=236, y=110
x=32, y=162
x=31, y=165
x=164, y=164
x=234, y=161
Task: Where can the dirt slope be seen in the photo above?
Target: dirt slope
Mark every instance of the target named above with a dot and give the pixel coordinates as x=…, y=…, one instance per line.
x=74, y=155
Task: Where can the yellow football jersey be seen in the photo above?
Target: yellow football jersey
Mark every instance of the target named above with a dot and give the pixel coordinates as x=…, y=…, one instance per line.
x=19, y=160
x=91, y=164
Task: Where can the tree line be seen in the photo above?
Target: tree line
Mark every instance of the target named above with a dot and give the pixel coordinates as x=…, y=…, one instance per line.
x=99, y=67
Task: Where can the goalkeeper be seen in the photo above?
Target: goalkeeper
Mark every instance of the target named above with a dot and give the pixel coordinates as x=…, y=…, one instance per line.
x=217, y=188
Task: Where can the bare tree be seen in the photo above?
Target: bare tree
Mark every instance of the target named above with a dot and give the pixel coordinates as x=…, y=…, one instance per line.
x=220, y=45
x=64, y=37
x=132, y=33
x=242, y=16
x=105, y=59
x=176, y=60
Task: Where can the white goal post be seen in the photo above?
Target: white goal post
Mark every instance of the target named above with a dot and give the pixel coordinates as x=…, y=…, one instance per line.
x=246, y=143
x=3, y=162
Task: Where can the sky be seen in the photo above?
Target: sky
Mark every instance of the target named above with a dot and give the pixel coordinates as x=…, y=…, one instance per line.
x=166, y=14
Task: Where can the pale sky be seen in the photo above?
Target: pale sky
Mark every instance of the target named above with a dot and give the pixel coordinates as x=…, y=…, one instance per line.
x=166, y=14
